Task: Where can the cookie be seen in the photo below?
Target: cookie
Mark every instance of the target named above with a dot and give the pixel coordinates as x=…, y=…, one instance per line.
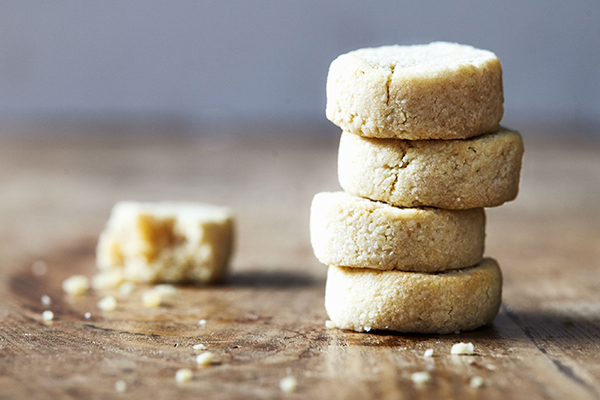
x=451, y=174
x=366, y=299
x=434, y=91
x=351, y=231
x=165, y=242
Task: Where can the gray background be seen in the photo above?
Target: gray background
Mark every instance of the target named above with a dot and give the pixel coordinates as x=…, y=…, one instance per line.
x=244, y=62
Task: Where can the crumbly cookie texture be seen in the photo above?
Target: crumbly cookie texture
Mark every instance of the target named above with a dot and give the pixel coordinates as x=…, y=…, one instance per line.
x=435, y=91
x=166, y=242
x=451, y=174
x=366, y=299
x=351, y=231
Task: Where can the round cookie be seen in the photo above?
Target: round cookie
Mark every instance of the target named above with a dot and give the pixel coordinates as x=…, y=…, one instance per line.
x=435, y=91
x=351, y=231
x=451, y=174
x=365, y=299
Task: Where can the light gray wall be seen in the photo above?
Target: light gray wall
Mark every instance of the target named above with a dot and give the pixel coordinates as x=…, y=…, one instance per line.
x=238, y=59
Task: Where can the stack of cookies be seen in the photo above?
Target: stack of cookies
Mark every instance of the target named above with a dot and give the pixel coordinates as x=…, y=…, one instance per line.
x=421, y=154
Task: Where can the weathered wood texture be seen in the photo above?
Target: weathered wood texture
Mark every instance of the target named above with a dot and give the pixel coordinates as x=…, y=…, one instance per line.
x=267, y=320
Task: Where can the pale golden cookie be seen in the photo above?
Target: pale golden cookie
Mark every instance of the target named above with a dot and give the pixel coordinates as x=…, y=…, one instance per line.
x=164, y=242
x=351, y=231
x=434, y=91
x=451, y=174
x=366, y=299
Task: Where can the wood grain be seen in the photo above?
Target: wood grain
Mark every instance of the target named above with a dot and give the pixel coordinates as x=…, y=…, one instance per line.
x=267, y=320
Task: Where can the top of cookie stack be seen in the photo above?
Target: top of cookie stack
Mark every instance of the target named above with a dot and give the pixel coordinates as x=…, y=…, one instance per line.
x=421, y=154
x=435, y=91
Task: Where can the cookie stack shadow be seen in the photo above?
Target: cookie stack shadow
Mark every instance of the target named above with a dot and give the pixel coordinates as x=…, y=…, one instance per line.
x=421, y=155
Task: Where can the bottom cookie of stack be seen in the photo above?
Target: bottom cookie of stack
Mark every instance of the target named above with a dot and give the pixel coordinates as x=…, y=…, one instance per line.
x=445, y=302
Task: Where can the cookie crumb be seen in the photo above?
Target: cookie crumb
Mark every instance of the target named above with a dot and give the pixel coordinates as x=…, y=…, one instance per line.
x=428, y=353
x=76, y=285
x=109, y=303
x=288, y=384
x=199, y=346
x=39, y=268
x=151, y=299
x=107, y=280
x=46, y=300
x=421, y=378
x=329, y=324
x=202, y=322
x=120, y=386
x=184, y=375
x=126, y=288
x=48, y=315
x=165, y=289
x=87, y=315
x=463, y=349
x=476, y=382
x=204, y=359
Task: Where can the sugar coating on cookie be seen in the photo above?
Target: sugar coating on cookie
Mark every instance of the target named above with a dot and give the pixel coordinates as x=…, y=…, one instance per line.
x=352, y=231
x=366, y=299
x=435, y=91
x=165, y=242
x=451, y=174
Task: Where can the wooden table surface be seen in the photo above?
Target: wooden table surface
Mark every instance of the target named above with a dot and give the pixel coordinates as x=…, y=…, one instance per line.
x=267, y=320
